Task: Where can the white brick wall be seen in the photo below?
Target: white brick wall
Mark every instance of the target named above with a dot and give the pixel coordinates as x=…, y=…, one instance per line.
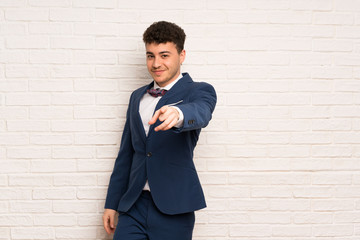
x=279, y=161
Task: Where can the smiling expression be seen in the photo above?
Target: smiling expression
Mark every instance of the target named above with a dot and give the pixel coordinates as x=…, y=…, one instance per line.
x=163, y=62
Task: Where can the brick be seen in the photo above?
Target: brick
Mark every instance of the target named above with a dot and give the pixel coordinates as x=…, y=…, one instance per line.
x=91, y=193
x=347, y=85
x=346, y=5
x=72, y=126
x=27, y=125
x=320, y=5
x=30, y=206
x=236, y=151
x=24, y=71
x=13, y=113
x=187, y=5
x=290, y=205
x=54, y=193
x=45, y=139
x=98, y=138
x=347, y=192
x=69, y=15
x=32, y=233
x=313, y=31
x=14, y=139
x=347, y=217
x=52, y=112
x=53, y=166
x=12, y=3
x=9, y=29
x=96, y=29
x=210, y=151
x=56, y=57
x=103, y=85
x=54, y=220
x=31, y=42
x=333, y=230
x=29, y=181
x=14, y=166
x=27, y=14
x=313, y=192
x=98, y=165
x=106, y=43
x=331, y=179
x=27, y=99
x=290, y=45
x=292, y=231
x=311, y=138
x=74, y=180
x=13, y=56
x=19, y=220
x=50, y=28
x=289, y=17
x=71, y=43
x=327, y=45
x=229, y=191
x=28, y=152
x=115, y=16
x=51, y=3
x=72, y=72
x=95, y=112
x=332, y=99
x=271, y=192
x=211, y=230
x=94, y=57
x=69, y=152
x=331, y=151
x=95, y=4
x=238, y=16
x=250, y=231
x=14, y=86
x=213, y=178
x=148, y=16
x=313, y=218
x=333, y=18
x=331, y=125
x=273, y=4
x=15, y=194
x=72, y=98
x=71, y=206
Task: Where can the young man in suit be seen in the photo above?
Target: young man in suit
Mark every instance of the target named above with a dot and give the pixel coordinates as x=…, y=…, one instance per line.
x=154, y=185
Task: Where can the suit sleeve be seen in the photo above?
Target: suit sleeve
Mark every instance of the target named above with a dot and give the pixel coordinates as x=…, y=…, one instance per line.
x=120, y=175
x=198, y=112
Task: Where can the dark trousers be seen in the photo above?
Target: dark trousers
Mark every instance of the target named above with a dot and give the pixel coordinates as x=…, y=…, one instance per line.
x=145, y=222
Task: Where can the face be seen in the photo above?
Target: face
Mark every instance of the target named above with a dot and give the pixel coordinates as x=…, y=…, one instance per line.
x=163, y=62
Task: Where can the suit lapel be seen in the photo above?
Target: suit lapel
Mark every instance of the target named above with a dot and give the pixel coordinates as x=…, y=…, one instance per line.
x=138, y=119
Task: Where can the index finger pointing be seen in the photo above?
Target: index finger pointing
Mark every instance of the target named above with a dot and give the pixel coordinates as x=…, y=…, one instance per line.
x=155, y=117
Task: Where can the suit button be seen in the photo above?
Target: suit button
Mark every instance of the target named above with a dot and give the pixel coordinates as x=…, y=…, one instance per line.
x=191, y=121
x=149, y=154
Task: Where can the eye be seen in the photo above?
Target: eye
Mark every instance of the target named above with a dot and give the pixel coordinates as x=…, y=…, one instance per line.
x=150, y=56
x=164, y=56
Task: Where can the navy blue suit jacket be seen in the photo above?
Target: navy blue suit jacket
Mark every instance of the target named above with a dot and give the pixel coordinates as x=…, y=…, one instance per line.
x=165, y=158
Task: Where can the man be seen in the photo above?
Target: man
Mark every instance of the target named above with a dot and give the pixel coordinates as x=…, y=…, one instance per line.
x=154, y=185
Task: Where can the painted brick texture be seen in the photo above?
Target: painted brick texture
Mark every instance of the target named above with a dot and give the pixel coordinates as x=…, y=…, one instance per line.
x=279, y=161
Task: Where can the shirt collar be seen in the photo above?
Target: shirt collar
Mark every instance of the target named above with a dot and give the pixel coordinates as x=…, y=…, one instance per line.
x=167, y=87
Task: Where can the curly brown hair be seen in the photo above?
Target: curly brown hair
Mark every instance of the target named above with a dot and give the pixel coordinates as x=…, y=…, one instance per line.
x=163, y=32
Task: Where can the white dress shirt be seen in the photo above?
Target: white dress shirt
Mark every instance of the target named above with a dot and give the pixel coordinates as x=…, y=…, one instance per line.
x=147, y=107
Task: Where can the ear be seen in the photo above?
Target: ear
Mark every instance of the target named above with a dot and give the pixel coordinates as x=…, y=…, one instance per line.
x=182, y=56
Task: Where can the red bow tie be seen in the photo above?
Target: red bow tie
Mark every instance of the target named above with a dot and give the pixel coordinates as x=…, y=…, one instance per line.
x=156, y=92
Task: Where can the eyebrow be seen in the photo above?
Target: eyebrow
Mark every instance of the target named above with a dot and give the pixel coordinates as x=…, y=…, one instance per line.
x=159, y=52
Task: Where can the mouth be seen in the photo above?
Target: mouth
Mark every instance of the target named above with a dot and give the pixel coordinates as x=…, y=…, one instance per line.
x=158, y=72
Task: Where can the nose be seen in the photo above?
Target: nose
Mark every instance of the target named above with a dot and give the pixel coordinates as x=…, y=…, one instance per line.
x=156, y=63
